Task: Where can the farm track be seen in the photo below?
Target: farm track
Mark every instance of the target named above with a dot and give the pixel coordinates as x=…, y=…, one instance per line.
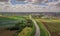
x=37, y=33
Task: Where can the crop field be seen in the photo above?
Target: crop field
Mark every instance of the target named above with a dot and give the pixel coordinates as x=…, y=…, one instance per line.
x=25, y=32
x=43, y=30
x=16, y=26
x=7, y=23
x=53, y=26
x=4, y=32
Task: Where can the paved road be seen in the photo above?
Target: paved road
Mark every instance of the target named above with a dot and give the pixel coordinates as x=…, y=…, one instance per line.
x=37, y=27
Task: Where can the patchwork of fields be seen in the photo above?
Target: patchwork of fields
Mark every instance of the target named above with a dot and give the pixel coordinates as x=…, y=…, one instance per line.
x=53, y=26
x=5, y=23
x=23, y=26
x=16, y=26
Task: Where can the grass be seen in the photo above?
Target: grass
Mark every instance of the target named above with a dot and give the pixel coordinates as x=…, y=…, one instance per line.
x=6, y=22
x=33, y=30
x=43, y=30
x=28, y=31
x=49, y=20
x=11, y=22
x=25, y=32
x=52, y=25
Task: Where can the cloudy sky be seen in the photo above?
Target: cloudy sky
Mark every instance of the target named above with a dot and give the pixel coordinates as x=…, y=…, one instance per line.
x=29, y=5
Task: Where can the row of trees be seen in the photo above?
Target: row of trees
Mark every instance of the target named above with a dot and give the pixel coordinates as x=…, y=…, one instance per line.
x=21, y=24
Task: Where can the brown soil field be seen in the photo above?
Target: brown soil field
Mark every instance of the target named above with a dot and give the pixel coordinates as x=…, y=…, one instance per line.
x=56, y=33
x=4, y=32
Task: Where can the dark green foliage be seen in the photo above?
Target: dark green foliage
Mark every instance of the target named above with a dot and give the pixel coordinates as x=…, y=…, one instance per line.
x=13, y=28
x=29, y=23
x=21, y=24
x=37, y=16
x=16, y=24
x=34, y=29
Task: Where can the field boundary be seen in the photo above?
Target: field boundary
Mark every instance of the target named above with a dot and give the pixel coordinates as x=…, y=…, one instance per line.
x=30, y=34
x=43, y=28
x=47, y=30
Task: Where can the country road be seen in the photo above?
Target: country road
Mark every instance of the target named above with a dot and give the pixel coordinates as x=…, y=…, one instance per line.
x=37, y=33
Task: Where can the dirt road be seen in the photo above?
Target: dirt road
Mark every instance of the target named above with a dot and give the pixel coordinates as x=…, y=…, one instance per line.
x=37, y=33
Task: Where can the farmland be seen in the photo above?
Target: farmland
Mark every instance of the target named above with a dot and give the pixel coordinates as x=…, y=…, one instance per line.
x=43, y=30
x=49, y=26
x=7, y=23
x=53, y=26
x=16, y=26
x=29, y=24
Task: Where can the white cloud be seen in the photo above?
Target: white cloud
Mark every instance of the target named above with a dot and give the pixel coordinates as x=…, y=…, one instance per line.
x=52, y=7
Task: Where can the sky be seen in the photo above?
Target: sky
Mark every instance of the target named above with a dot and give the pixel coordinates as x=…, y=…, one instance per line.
x=21, y=1
x=29, y=5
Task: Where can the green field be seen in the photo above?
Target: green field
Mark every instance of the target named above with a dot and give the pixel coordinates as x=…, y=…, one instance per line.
x=43, y=30
x=21, y=24
x=9, y=21
x=49, y=25
x=53, y=26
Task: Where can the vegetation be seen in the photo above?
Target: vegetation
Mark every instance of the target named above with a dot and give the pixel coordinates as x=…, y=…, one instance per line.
x=23, y=25
x=25, y=32
x=53, y=27
x=19, y=25
x=29, y=30
x=37, y=16
x=43, y=30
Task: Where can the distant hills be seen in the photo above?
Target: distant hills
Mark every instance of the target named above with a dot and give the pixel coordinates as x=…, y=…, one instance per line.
x=35, y=13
